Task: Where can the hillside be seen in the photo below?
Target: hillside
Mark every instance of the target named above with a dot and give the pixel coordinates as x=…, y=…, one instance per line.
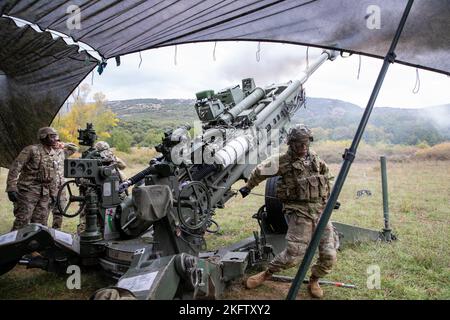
x=332, y=120
x=339, y=119
x=165, y=109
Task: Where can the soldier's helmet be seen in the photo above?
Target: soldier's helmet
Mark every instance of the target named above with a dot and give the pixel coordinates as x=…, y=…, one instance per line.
x=45, y=131
x=102, y=146
x=299, y=133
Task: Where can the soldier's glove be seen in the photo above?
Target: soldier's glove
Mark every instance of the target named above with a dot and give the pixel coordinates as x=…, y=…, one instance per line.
x=245, y=191
x=124, y=186
x=13, y=196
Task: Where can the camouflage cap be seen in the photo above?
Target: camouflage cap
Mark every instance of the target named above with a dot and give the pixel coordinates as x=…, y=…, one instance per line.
x=102, y=146
x=45, y=131
x=299, y=133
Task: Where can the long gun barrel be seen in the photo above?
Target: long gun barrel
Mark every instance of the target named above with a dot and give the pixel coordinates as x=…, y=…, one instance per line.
x=294, y=87
x=266, y=114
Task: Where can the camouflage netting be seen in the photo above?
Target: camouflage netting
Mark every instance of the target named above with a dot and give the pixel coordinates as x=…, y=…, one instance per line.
x=120, y=27
x=37, y=74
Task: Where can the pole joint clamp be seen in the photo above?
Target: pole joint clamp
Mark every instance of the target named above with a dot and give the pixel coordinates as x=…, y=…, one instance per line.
x=349, y=155
x=391, y=57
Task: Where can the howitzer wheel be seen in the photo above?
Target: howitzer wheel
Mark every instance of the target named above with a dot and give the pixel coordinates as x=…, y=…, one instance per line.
x=275, y=221
x=194, y=205
x=71, y=199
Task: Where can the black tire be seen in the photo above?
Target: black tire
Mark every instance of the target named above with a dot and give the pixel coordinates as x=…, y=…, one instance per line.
x=275, y=221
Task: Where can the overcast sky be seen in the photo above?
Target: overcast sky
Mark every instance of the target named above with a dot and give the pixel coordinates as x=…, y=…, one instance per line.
x=196, y=70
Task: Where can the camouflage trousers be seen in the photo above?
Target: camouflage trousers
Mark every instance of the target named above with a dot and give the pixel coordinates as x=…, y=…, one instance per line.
x=57, y=216
x=32, y=206
x=299, y=234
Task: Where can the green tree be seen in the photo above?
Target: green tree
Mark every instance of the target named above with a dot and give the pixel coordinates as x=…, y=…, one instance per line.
x=121, y=140
x=152, y=138
x=373, y=135
x=82, y=112
x=321, y=133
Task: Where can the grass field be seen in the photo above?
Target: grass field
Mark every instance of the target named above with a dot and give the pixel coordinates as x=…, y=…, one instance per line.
x=417, y=266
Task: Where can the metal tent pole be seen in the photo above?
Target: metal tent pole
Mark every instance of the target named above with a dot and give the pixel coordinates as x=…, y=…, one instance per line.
x=348, y=156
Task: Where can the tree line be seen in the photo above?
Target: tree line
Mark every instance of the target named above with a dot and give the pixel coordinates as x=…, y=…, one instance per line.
x=122, y=134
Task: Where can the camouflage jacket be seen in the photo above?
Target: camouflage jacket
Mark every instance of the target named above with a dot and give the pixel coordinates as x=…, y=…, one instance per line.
x=108, y=155
x=36, y=167
x=302, y=180
x=68, y=149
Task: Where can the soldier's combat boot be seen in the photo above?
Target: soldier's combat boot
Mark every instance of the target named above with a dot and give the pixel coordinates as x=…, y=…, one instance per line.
x=314, y=289
x=32, y=255
x=258, y=279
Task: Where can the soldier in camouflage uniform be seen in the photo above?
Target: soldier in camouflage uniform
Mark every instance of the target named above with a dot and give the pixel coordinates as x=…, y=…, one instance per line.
x=303, y=188
x=32, y=179
x=108, y=156
x=69, y=149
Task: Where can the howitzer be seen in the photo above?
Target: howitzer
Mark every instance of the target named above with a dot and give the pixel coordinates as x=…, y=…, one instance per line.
x=152, y=241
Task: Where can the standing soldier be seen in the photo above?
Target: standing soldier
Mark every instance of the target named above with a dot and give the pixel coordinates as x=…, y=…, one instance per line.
x=31, y=182
x=69, y=149
x=303, y=188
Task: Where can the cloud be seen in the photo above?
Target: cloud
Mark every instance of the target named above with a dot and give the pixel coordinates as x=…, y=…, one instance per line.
x=277, y=63
x=195, y=70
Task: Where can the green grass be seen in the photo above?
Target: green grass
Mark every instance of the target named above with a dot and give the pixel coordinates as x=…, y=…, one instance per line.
x=417, y=266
